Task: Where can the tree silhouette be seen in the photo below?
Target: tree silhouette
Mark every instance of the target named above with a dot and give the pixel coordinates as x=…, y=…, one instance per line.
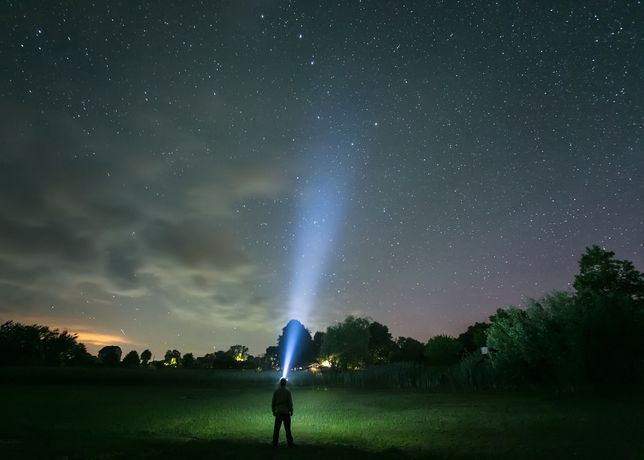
x=223, y=360
x=35, y=344
x=601, y=275
x=272, y=357
x=146, y=356
x=131, y=359
x=610, y=312
x=475, y=337
x=381, y=344
x=316, y=345
x=188, y=360
x=443, y=350
x=408, y=350
x=110, y=355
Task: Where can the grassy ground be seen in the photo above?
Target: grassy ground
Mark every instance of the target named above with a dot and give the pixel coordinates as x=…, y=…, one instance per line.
x=142, y=421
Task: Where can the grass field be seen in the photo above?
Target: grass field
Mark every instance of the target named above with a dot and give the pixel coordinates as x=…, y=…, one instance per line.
x=198, y=421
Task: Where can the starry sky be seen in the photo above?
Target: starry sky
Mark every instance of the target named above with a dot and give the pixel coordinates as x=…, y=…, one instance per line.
x=162, y=164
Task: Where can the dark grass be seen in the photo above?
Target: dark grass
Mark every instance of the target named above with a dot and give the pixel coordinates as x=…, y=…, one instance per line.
x=233, y=420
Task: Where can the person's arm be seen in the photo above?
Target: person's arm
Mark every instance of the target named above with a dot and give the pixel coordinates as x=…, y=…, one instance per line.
x=290, y=403
x=273, y=404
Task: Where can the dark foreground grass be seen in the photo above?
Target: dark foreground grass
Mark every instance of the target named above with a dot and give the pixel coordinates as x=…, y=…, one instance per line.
x=169, y=422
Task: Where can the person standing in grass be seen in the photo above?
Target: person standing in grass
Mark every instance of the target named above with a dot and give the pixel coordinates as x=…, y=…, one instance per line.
x=282, y=406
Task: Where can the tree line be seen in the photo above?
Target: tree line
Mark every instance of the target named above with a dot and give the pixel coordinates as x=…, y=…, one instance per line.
x=592, y=334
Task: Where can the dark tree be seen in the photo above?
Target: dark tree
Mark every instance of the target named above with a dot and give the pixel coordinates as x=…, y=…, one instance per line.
x=475, y=337
x=443, y=350
x=303, y=344
x=188, y=360
x=610, y=312
x=346, y=345
x=146, y=356
x=223, y=360
x=601, y=275
x=271, y=358
x=131, y=359
x=110, y=355
x=408, y=350
x=381, y=343
x=206, y=361
x=26, y=345
x=316, y=345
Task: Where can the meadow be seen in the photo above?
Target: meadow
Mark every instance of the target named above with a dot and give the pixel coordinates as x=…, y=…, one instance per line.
x=121, y=414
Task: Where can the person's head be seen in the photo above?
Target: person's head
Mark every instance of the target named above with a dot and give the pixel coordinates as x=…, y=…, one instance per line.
x=282, y=382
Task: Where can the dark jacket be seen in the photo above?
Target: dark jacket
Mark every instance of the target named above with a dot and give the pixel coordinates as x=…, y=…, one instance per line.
x=282, y=401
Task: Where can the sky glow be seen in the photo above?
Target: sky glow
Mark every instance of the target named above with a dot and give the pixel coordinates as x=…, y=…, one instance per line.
x=191, y=177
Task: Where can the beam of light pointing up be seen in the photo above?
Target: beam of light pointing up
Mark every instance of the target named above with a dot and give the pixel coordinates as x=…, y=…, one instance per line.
x=320, y=210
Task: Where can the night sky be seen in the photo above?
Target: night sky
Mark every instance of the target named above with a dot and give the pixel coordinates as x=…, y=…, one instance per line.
x=166, y=166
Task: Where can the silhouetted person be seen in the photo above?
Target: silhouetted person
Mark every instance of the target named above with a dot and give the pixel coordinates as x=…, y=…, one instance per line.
x=282, y=406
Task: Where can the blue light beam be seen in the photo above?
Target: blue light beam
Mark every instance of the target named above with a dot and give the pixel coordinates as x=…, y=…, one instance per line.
x=321, y=206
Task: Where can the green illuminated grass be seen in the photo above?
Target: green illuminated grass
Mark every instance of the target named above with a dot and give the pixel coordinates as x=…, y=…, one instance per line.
x=144, y=421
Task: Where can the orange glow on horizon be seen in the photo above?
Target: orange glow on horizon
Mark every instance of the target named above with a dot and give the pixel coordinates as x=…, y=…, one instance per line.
x=94, y=341
x=101, y=340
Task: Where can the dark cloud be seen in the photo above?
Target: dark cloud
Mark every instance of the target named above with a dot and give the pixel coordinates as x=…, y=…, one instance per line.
x=15, y=298
x=47, y=239
x=110, y=215
x=194, y=244
x=12, y=272
x=122, y=265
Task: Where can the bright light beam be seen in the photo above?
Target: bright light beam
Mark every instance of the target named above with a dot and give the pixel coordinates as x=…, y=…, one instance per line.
x=320, y=211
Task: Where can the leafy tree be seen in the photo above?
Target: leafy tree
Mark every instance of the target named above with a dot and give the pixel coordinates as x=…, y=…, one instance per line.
x=303, y=344
x=188, y=360
x=381, y=343
x=206, y=361
x=146, y=356
x=223, y=360
x=610, y=305
x=408, y=350
x=475, y=337
x=536, y=344
x=238, y=353
x=271, y=358
x=316, y=345
x=601, y=275
x=35, y=344
x=110, y=355
x=346, y=344
x=172, y=358
x=131, y=359
x=443, y=350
